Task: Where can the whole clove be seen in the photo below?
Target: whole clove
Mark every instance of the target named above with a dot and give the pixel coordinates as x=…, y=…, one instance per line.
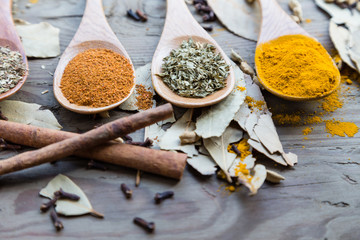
x=142, y=15
x=61, y=194
x=148, y=226
x=46, y=206
x=126, y=190
x=55, y=219
x=3, y=117
x=209, y=17
x=208, y=28
x=147, y=143
x=203, y=8
x=96, y=165
x=133, y=15
x=202, y=2
x=159, y=197
x=235, y=149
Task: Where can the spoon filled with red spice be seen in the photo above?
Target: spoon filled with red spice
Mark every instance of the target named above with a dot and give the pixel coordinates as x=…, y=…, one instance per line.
x=95, y=73
x=290, y=63
x=10, y=40
x=181, y=27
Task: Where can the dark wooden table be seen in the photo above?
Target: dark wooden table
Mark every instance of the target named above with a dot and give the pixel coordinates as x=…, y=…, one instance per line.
x=320, y=198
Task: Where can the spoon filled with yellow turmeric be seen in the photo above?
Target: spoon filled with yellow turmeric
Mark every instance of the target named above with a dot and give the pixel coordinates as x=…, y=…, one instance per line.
x=289, y=62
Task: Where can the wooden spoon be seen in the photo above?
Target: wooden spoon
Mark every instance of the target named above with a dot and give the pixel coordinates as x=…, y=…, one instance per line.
x=10, y=39
x=180, y=25
x=94, y=32
x=276, y=23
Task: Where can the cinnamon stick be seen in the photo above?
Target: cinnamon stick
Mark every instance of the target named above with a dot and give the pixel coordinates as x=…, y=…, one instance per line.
x=63, y=144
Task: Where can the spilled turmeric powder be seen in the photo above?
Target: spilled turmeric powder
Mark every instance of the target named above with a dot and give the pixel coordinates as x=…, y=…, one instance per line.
x=307, y=130
x=254, y=104
x=341, y=128
x=244, y=148
x=287, y=119
x=296, y=66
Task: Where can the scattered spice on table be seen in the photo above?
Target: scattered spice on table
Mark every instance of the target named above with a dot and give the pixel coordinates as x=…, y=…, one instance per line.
x=143, y=98
x=296, y=65
x=341, y=128
x=97, y=78
x=12, y=69
x=194, y=70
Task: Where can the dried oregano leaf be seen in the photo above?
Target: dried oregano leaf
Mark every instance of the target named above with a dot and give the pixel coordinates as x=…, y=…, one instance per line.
x=194, y=70
x=68, y=207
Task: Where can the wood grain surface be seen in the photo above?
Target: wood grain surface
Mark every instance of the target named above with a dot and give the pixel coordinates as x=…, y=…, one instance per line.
x=319, y=199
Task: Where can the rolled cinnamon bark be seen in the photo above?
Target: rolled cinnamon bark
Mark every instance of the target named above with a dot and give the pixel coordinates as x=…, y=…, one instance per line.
x=63, y=144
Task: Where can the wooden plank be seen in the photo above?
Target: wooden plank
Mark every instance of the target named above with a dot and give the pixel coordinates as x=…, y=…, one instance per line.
x=319, y=198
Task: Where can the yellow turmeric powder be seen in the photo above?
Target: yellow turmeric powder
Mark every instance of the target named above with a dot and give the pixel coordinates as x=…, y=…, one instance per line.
x=297, y=66
x=253, y=103
x=341, y=128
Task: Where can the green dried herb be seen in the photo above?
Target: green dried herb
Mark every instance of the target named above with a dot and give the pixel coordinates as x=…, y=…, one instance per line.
x=12, y=69
x=194, y=70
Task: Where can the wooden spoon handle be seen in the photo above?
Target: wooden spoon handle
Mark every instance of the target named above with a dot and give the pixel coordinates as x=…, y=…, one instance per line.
x=180, y=21
x=93, y=26
x=276, y=22
x=7, y=31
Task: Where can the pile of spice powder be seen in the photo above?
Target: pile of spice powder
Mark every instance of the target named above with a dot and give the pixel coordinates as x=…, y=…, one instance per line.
x=297, y=66
x=12, y=69
x=144, y=97
x=97, y=78
x=194, y=70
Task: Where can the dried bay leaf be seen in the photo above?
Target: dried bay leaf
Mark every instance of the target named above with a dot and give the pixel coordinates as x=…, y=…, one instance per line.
x=260, y=127
x=154, y=132
x=204, y=164
x=249, y=161
x=354, y=44
x=238, y=16
x=171, y=138
x=143, y=77
x=217, y=147
x=39, y=40
x=214, y=120
x=273, y=177
x=340, y=38
x=29, y=113
x=68, y=207
x=339, y=15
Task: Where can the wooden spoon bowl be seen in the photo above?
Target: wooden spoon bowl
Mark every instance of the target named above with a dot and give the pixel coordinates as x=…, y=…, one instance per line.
x=276, y=23
x=10, y=39
x=180, y=25
x=94, y=32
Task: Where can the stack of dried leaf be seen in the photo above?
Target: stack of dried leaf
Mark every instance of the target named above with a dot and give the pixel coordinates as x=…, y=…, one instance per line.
x=242, y=119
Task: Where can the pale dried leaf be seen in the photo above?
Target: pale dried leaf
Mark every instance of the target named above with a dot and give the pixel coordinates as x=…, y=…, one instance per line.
x=39, y=40
x=260, y=148
x=154, y=132
x=257, y=179
x=68, y=207
x=29, y=113
x=354, y=44
x=340, y=37
x=204, y=164
x=238, y=16
x=214, y=120
x=339, y=15
x=249, y=161
x=143, y=77
x=217, y=147
x=171, y=138
x=273, y=177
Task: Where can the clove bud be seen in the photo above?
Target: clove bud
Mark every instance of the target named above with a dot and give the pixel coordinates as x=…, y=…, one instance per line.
x=61, y=194
x=96, y=165
x=148, y=226
x=55, y=219
x=46, y=206
x=133, y=15
x=142, y=15
x=159, y=197
x=126, y=190
x=235, y=149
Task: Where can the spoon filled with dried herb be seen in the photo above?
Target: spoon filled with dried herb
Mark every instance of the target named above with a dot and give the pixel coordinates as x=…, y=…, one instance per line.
x=289, y=62
x=95, y=73
x=189, y=69
x=13, y=61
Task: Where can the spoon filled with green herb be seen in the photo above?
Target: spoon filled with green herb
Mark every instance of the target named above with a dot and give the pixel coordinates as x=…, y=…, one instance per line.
x=13, y=61
x=189, y=69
